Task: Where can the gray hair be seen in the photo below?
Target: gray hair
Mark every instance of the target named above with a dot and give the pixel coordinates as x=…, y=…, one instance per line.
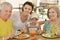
x=2, y=5
x=56, y=9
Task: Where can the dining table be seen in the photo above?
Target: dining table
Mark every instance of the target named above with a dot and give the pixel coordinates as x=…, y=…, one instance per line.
x=37, y=37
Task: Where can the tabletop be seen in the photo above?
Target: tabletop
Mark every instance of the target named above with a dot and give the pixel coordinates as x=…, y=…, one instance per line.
x=37, y=37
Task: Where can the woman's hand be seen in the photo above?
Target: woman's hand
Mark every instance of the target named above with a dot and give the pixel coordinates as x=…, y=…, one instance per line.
x=58, y=33
x=24, y=30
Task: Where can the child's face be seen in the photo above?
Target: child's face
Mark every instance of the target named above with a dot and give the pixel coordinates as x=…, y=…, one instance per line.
x=33, y=20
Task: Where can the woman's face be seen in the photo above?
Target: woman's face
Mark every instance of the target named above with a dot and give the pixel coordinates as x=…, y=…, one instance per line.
x=52, y=14
x=24, y=16
x=27, y=8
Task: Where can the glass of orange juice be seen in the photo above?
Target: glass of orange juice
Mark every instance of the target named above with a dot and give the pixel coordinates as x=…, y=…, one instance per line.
x=32, y=31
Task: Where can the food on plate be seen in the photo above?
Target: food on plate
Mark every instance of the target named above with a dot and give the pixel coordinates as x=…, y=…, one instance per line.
x=46, y=35
x=49, y=36
x=22, y=36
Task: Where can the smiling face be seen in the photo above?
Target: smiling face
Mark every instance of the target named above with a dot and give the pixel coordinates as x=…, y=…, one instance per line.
x=24, y=16
x=52, y=14
x=27, y=8
x=34, y=21
x=5, y=12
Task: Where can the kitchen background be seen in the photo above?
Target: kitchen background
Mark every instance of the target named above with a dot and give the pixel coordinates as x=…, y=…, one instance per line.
x=40, y=6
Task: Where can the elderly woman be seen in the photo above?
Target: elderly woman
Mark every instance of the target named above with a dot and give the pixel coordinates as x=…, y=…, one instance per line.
x=19, y=19
x=6, y=30
x=52, y=26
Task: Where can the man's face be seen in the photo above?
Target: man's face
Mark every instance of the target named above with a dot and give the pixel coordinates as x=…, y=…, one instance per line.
x=6, y=12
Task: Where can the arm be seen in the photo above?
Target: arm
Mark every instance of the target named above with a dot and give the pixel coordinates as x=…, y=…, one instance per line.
x=41, y=22
x=39, y=31
x=44, y=30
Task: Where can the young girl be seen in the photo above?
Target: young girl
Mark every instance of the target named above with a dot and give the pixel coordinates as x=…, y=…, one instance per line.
x=33, y=23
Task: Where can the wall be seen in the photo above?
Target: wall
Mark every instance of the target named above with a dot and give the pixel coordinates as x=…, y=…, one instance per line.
x=16, y=3
x=2, y=1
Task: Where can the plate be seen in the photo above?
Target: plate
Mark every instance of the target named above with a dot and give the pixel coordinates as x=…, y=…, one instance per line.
x=22, y=36
x=49, y=36
x=17, y=33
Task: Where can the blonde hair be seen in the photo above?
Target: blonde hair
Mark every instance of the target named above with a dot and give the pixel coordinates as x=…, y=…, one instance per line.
x=56, y=9
x=2, y=5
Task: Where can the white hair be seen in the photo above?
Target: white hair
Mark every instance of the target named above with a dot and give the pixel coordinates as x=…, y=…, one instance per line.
x=2, y=5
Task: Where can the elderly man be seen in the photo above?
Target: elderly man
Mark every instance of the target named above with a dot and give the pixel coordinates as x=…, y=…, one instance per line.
x=6, y=30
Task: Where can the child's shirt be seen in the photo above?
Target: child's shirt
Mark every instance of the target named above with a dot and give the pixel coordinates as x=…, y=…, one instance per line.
x=32, y=28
